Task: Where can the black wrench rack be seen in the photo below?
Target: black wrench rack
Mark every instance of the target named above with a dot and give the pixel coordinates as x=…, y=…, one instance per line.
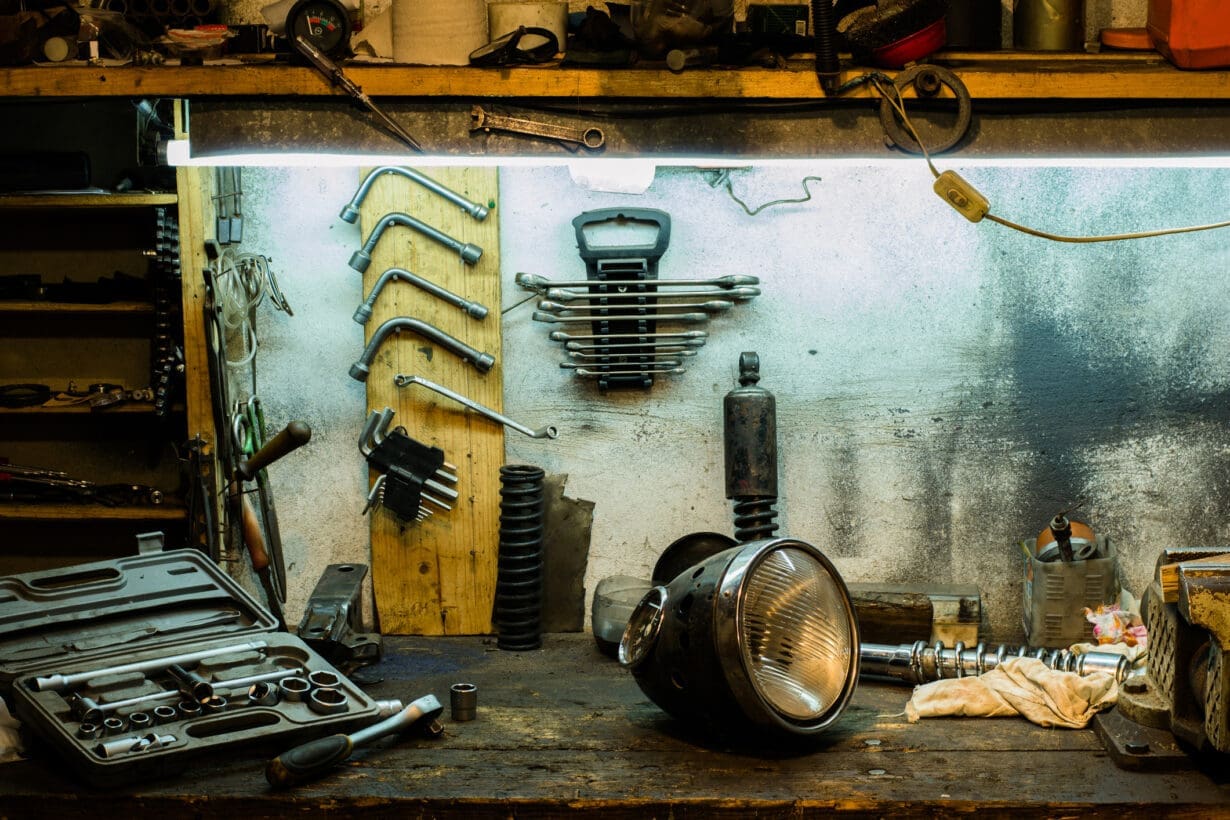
x=631, y=366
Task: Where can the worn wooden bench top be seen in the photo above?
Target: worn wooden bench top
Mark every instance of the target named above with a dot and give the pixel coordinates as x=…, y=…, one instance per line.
x=565, y=731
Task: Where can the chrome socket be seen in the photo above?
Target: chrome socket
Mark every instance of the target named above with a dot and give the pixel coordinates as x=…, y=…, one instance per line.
x=264, y=693
x=328, y=701
x=189, y=708
x=165, y=714
x=213, y=704
x=89, y=731
x=322, y=679
x=139, y=721
x=294, y=688
x=114, y=725
x=463, y=702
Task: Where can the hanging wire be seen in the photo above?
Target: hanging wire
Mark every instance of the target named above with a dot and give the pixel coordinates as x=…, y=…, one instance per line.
x=724, y=179
x=893, y=96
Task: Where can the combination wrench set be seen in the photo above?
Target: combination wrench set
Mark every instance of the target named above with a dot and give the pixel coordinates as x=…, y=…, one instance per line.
x=132, y=668
x=633, y=325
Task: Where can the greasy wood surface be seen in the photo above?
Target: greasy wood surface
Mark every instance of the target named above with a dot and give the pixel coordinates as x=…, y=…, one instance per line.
x=988, y=76
x=565, y=731
x=88, y=512
x=76, y=307
x=437, y=577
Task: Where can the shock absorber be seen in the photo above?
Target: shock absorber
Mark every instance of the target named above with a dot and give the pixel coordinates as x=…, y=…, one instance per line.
x=750, y=425
x=919, y=662
x=518, y=588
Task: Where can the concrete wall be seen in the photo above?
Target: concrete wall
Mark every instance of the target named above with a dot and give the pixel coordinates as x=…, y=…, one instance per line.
x=943, y=388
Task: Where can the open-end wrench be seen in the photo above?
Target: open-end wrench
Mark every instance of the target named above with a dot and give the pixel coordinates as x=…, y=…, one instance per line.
x=402, y=380
x=687, y=318
x=580, y=371
x=653, y=345
x=561, y=336
x=713, y=305
x=532, y=281
x=655, y=354
x=565, y=295
x=588, y=137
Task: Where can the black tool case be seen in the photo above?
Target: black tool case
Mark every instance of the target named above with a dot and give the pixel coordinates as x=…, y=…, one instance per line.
x=59, y=626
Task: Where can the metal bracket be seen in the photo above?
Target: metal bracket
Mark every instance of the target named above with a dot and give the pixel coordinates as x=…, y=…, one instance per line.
x=332, y=622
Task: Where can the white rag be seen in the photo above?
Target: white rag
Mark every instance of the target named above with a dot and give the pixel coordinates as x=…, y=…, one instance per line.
x=1019, y=686
x=10, y=739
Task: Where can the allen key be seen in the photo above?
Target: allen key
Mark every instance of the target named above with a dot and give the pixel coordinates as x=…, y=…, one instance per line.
x=686, y=318
x=561, y=336
x=565, y=295
x=713, y=305
x=531, y=281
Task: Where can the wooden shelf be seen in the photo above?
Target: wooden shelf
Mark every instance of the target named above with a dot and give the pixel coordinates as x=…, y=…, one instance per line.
x=85, y=200
x=88, y=512
x=126, y=409
x=988, y=75
x=110, y=308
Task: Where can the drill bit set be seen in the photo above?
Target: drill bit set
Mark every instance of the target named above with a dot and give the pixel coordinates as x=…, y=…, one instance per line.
x=639, y=326
x=133, y=667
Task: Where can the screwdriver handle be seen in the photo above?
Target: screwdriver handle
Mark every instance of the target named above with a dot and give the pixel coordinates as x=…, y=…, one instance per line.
x=253, y=538
x=308, y=761
x=295, y=435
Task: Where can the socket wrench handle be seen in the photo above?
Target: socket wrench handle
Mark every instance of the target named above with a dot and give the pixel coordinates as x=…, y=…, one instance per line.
x=316, y=757
x=402, y=380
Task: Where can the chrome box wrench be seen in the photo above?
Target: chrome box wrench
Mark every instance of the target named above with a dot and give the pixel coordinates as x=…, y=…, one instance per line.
x=587, y=137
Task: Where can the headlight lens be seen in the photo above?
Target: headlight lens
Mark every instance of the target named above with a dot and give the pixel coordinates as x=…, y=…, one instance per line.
x=794, y=634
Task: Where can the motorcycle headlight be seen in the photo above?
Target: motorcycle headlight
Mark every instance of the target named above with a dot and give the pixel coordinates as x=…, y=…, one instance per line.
x=756, y=637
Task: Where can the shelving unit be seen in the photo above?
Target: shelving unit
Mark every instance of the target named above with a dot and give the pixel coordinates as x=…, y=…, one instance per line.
x=79, y=238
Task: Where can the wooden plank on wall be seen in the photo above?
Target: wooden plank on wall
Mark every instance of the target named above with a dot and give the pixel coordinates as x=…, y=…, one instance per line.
x=437, y=577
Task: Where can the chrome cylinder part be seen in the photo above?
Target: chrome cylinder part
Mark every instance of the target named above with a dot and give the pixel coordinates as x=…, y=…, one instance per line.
x=350, y=213
x=264, y=694
x=323, y=679
x=463, y=702
x=213, y=704
x=294, y=689
x=139, y=721
x=919, y=662
x=328, y=701
x=165, y=714
x=189, y=709
x=89, y=731
x=114, y=726
x=190, y=683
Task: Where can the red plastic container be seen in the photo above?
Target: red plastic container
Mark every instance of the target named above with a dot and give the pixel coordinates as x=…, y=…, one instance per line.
x=1191, y=33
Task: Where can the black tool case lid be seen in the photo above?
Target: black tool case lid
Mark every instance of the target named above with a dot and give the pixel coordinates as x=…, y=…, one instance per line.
x=109, y=610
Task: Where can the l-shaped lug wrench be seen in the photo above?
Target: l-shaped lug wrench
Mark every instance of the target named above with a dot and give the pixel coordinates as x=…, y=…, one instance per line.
x=364, y=312
x=543, y=432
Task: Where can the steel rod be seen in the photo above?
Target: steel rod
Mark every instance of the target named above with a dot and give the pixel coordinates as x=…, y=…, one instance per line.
x=60, y=682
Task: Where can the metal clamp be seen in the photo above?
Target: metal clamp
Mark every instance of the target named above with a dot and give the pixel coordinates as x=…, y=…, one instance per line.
x=402, y=380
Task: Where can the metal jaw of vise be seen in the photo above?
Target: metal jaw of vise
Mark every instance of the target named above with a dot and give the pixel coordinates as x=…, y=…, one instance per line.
x=415, y=479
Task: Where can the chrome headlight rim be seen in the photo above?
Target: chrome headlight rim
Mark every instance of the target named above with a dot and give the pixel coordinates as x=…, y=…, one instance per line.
x=728, y=636
x=640, y=636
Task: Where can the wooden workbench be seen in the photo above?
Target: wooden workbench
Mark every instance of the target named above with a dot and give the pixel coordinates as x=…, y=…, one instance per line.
x=565, y=731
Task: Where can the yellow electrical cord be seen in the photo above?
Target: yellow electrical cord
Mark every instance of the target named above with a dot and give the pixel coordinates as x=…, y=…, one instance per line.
x=894, y=99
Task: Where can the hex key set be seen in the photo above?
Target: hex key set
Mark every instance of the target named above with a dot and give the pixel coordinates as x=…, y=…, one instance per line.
x=121, y=703
x=622, y=303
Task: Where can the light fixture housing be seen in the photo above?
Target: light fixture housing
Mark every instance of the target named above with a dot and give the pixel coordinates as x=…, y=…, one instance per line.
x=757, y=639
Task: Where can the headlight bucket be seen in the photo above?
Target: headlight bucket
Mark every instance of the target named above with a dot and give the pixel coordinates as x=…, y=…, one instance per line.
x=760, y=638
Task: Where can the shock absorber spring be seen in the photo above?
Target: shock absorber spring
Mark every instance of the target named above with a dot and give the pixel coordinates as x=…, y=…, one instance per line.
x=518, y=590
x=750, y=428
x=919, y=662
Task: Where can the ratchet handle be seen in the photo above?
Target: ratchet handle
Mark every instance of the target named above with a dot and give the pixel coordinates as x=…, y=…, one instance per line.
x=308, y=761
x=295, y=435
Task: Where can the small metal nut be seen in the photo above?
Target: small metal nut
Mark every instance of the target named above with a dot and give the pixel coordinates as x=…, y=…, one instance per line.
x=213, y=704
x=294, y=689
x=165, y=714
x=189, y=708
x=264, y=693
x=114, y=726
x=138, y=721
x=328, y=701
x=321, y=679
x=463, y=701
x=89, y=731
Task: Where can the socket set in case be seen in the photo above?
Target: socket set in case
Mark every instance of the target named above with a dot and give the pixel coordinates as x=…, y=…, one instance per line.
x=132, y=668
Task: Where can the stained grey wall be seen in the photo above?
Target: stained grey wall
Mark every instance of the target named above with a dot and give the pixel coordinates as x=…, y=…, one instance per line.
x=942, y=387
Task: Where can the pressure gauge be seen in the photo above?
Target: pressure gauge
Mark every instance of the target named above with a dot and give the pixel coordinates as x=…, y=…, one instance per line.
x=323, y=23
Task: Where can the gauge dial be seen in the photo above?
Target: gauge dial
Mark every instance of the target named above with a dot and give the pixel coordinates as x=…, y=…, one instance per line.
x=323, y=23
